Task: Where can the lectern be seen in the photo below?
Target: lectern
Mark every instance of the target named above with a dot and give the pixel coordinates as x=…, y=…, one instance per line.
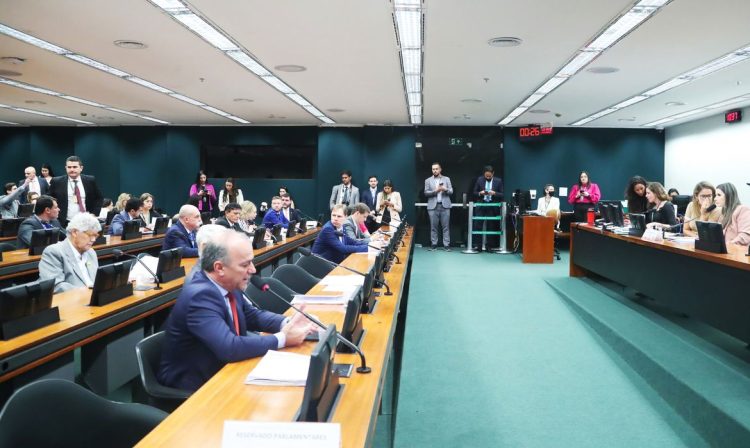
x=538, y=239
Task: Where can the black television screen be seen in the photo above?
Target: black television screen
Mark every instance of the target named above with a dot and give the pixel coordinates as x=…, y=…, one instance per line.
x=27, y=299
x=681, y=201
x=160, y=225
x=111, y=283
x=351, y=329
x=259, y=162
x=25, y=210
x=169, y=267
x=131, y=229
x=322, y=386
x=41, y=238
x=9, y=226
x=710, y=237
x=637, y=224
x=291, y=229
x=259, y=238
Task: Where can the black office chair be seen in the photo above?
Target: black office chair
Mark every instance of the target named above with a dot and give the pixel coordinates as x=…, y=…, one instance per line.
x=266, y=300
x=61, y=414
x=148, y=352
x=315, y=266
x=8, y=246
x=295, y=278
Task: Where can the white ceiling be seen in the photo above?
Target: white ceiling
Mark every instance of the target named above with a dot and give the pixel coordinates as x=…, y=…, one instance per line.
x=350, y=51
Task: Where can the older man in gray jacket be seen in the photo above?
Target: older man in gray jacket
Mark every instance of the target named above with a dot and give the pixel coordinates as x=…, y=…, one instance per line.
x=72, y=262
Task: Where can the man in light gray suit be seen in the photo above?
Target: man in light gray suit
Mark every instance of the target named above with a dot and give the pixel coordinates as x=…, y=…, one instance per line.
x=438, y=189
x=344, y=193
x=72, y=262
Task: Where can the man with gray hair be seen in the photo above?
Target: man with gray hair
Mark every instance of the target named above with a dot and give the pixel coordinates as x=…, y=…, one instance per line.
x=72, y=262
x=211, y=322
x=182, y=233
x=205, y=234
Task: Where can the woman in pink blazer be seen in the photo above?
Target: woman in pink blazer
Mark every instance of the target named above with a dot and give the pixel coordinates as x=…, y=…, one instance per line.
x=736, y=217
x=583, y=196
x=205, y=191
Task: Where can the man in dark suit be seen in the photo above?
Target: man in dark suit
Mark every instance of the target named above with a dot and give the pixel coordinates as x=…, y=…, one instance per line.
x=182, y=233
x=369, y=196
x=44, y=217
x=331, y=242
x=36, y=184
x=231, y=218
x=488, y=189
x=208, y=326
x=75, y=192
x=289, y=213
x=132, y=210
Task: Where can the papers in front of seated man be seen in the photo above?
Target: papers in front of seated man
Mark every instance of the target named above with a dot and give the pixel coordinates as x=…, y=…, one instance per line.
x=320, y=299
x=280, y=369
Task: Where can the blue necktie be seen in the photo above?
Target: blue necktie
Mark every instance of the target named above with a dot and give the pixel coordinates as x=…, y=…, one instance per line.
x=192, y=239
x=46, y=225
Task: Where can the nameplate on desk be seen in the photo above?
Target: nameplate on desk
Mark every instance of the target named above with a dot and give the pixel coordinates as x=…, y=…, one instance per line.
x=244, y=434
x=653, y=235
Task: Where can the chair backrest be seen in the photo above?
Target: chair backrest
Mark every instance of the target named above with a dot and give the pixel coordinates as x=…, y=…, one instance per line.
x=63, y=414
x=266, y=300
x=315, y=266
x=7, y=246
x=554, y=213
x=294, y=277
x=148, y=352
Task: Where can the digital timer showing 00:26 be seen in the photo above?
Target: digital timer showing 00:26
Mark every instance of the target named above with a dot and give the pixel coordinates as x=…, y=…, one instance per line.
x=529, y=131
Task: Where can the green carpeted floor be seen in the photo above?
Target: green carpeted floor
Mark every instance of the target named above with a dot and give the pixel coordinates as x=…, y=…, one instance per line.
x=493, y=358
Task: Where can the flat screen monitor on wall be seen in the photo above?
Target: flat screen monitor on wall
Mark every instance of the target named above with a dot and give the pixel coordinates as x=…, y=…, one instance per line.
x=259, y=162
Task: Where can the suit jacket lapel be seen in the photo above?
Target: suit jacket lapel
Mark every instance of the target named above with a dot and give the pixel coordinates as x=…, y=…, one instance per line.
x=73, y=262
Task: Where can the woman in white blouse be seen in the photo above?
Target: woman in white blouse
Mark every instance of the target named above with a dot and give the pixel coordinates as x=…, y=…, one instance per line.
x=388, y=203
x=230, y=193
x=548, y=202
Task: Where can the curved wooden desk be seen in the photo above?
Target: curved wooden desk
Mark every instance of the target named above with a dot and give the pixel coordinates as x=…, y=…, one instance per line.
x=81, y=324
x=199, y=421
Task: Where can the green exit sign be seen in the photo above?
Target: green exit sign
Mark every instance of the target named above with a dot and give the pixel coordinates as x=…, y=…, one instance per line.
x=455, y=141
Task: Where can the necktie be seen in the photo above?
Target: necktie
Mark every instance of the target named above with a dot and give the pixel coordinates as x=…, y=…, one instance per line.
x=46, y=225
x=191, y=236
x=77, y=192
x=487, y=187
x=346, y=195
x=233, y=306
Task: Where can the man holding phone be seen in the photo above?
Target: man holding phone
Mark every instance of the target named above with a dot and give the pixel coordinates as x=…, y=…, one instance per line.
x=438, y=189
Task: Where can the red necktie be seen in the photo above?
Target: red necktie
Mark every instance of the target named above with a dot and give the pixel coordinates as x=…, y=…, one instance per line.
x=233, y=306
x=77, y=192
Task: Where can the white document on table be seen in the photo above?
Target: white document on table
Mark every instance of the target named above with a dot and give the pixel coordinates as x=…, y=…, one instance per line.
x=319, y=299
x=280, y=369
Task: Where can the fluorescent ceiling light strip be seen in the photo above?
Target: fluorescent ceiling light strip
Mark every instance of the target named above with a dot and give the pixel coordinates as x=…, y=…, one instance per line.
x=412, y=61
x=215, y=110
x=186, y=99
x=297, y=98
x=728, y=102
x=689, y=113
x=23, y=85
x=715, y=65
x=149, y=84
x=169, y=4
x=249, y=63
x=82, y=101
x=663, y=87
x=203, y=29
x=652, y=3
x=238, y=119
x=409, y=25
x=72, y=119
x=620, y=28
x=278, y=84
x=533, y=99
x=415, y=99
x=630, y=101
x=416, y=119
x=96, y=64
x=133, y=114
x=407, y=3
x=8, y=31
x=413, y=83
x=551, y=85
x=44, y=114
x=10, y=122
x=577, y=63
x=327, y=120
x=658, y=122
x=313, y=110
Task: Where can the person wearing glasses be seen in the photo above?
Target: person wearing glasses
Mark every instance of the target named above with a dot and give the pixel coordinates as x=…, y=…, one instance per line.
x=703, y=197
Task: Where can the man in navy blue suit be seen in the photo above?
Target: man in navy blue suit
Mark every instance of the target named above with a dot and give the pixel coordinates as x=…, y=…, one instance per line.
x=331, y=242
x=182, y=233
x=488, y=189
x=370, y=195
x=208, y=326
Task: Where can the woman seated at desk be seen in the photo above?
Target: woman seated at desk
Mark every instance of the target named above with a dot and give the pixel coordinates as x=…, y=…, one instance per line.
x=549, y=205
x=703, y=197
x=662, y=212
x=735, y=217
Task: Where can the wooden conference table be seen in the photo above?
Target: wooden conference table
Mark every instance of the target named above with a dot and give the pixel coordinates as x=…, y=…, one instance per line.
x=81, y=324
x=18, y=262
x=709, y=287
x=200, y=420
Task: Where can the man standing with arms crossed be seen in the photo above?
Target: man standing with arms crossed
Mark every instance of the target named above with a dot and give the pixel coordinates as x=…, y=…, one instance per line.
x=438, y=189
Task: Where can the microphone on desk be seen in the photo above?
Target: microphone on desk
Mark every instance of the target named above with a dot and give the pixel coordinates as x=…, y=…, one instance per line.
x=119, y=254
x=308, y=253
x=709, y=209
x=308, y=217
x=258, y=283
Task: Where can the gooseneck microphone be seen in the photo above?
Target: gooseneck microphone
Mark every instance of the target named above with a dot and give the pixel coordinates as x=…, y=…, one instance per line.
x=119, y=254
x=308, y=253
x=258, y=283
x=308, y=217
x=709, y=209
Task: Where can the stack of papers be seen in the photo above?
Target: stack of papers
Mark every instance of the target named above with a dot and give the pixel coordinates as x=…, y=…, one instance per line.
x=319, y=300
x=345, y=284
x=280, y=369
x=139, y=274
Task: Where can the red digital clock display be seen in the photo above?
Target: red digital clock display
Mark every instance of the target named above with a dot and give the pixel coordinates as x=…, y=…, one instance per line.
x=733, y=116
x=533, y=132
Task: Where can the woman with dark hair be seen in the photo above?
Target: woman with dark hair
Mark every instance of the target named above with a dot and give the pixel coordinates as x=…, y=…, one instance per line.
x=636, y=195
x=205, y=191
x=673, y=192
x=583, y=196
x=148, y=212
x=388, y=203
x=47, y=172
x=736, y=217
x=229, y=194
x=662, y=213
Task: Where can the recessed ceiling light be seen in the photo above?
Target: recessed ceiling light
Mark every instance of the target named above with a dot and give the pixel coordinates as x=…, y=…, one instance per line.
x=538, y=111
x=335, y=110
x=290, y=68
x=602, y=70
x=9, y=73
x=504, y=42
x=674, y=103
x=141, y=111
x=471, y=100
x=12, y=60
x=130, y=44
x=243, y=100
x=34, y=102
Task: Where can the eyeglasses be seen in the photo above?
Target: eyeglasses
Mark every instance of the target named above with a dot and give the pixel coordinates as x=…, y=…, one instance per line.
x=705, y=196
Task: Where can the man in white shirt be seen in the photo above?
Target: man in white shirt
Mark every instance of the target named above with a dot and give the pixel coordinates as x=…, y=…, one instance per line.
x=75, y=192
x=72, y=262
x=36, y=184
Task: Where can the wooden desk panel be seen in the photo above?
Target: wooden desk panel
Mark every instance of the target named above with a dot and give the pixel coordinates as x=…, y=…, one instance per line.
x=538, y=239
x=80, y=324
x=200, y=420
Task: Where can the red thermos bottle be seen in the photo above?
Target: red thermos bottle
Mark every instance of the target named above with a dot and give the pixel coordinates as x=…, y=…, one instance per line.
x=590, y=215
